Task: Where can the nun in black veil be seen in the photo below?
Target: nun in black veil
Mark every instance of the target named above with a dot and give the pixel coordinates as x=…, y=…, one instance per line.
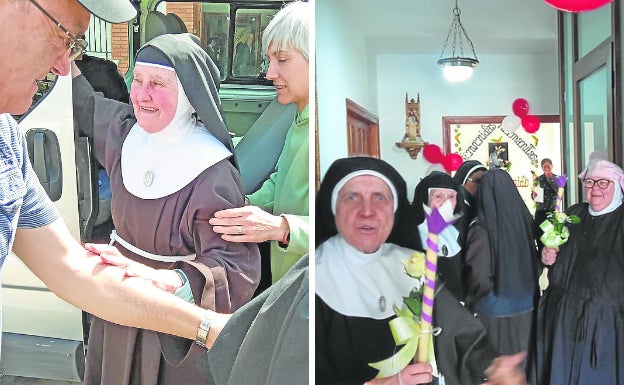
x=468, y=176
x=432, y=191
x=501, y=264
x=580, y=328
x=360, y=210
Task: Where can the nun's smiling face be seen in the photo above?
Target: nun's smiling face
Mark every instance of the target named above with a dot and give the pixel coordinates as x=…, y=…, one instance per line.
x=365, y=212
x=154, y=95
x=598, y=197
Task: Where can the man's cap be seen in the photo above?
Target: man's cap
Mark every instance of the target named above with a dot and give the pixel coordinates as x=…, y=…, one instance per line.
x=112, y=11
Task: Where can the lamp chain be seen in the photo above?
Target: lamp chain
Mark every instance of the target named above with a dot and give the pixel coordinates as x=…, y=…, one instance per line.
x=457, y=30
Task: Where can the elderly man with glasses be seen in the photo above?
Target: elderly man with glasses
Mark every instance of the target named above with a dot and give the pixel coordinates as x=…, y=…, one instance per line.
x=30, y=224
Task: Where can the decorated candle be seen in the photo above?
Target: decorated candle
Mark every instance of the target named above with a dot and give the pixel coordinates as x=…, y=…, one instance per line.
x=561, y=182
x=437, y=220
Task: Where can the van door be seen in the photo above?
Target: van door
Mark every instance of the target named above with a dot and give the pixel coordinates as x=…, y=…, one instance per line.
x=42, y=334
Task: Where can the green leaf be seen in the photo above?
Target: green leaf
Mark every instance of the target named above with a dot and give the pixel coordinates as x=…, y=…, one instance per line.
x=415, y=305
x=574, y=219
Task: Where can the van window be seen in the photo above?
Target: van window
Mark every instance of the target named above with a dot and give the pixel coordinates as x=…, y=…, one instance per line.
x=43, y=87
x=235, y=47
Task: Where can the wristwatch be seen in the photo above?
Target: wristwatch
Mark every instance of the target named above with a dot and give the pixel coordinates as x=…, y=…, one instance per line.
x=204, y=328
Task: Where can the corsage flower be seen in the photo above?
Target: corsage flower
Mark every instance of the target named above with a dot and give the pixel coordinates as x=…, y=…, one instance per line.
x=556, y=232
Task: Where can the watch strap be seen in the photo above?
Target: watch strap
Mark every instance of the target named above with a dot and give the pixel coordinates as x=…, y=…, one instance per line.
x=204, y=328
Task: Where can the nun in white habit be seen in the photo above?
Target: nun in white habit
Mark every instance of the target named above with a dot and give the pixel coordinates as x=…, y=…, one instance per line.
x=171, y=165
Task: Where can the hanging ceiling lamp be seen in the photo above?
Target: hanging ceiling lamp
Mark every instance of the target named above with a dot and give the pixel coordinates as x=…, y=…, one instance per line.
x=457, y=67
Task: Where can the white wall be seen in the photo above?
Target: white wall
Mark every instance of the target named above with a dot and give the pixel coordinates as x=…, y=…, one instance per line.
x=495, y=84
x=346, y=68
x=342, y=72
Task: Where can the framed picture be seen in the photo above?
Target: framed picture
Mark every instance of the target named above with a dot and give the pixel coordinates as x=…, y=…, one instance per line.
x=498, y=155
x=484, y=138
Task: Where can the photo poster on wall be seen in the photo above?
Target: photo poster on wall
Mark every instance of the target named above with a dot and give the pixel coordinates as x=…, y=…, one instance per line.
x=518, y=152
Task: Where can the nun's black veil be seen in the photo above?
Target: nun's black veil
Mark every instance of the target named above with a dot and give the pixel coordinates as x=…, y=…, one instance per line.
x=436, y=179
x=325, y=221
x=416, y=214
x=509, y=225
x=198, y=75
x=466, y=169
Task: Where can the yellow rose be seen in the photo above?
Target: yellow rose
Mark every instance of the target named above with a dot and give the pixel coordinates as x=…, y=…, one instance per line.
x=415, y=266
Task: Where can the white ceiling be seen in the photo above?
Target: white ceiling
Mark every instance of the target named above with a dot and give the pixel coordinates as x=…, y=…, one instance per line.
x=421, y=26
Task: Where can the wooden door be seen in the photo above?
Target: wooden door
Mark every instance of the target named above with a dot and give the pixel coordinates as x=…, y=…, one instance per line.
x=362, y=131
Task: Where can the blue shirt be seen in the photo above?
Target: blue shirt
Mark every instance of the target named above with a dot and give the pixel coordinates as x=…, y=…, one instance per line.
x=23, y=202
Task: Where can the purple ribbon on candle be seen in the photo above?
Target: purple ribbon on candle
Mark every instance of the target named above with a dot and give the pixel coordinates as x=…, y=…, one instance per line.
x=433, y=246
x=435, y=222
x=561, y=180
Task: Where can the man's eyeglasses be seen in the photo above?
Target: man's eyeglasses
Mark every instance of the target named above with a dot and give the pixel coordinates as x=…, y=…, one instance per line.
x=602, y=183
x=474, y=180
x=76, y=45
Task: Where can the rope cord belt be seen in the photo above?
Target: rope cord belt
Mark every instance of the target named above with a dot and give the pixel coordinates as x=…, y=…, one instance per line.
x=114, y=237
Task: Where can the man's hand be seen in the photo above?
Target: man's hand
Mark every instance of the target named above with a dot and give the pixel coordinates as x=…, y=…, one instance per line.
x=505, y=370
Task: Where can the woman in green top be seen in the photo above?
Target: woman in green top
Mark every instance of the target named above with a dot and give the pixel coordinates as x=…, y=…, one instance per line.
x=278, y=211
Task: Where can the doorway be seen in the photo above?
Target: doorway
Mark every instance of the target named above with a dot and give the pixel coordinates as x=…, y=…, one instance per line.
x=362, y=131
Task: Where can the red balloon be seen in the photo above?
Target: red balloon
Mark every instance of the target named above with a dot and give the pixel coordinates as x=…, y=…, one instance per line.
x=433, y=153
x=452, y=162
x=577, y=5
x=531, y=123
x=520, y=107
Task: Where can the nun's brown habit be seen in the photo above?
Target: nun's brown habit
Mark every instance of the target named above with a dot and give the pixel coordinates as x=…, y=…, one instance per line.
x=223, y=276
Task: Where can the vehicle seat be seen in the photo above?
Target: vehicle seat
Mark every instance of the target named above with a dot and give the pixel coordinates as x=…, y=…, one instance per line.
x=176, y=23
x=257, y=152
x=105, y=197
x=157, y=23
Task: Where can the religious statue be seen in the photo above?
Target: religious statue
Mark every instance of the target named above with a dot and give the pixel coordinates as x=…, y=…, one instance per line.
x=412, y=120
x=412, y=142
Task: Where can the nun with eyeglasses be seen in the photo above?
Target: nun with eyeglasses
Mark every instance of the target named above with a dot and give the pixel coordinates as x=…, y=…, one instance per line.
x=580, y=322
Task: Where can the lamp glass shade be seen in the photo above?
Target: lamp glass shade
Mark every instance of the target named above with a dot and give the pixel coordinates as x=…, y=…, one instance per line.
x=457, y=73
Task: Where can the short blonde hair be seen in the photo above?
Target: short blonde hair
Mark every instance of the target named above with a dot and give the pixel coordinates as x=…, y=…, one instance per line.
x=289, y=28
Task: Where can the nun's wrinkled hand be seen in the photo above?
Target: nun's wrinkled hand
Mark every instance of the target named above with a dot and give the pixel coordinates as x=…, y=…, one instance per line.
x=167, y=280
x=505, y=370
x=109, y=255
x=75, y=71
x=549, y=256
x=249, y=224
